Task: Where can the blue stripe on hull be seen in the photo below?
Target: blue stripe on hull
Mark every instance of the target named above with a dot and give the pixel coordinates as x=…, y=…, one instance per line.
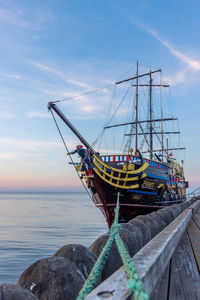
x=157, y=177
x=141, y=192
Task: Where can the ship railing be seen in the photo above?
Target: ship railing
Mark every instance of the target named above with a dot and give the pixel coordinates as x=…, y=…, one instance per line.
x=118, y=177
x=125, y=158
x=120, y=158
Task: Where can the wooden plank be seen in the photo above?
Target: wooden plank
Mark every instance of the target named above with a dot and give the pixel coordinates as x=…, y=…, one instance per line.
x=196, y=217
x=184, y=275
x=161, y=289
x=150, y=261
x=194, y=236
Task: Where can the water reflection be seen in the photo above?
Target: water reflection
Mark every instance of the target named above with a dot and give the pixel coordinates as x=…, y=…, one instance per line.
x=35, y=225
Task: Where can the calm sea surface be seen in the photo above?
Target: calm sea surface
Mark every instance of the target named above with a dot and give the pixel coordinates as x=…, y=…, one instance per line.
x=36, y=225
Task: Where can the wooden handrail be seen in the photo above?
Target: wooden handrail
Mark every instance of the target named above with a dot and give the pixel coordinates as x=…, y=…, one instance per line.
x=151, y=261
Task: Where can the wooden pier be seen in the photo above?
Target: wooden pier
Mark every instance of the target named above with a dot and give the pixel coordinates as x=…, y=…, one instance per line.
x=169, y=265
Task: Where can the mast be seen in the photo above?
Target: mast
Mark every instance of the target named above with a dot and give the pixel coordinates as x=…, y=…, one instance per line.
x=162, y=135
x=167, y=149
x=150, y=115
x=139, y=122
x=155, y=132
x=141, y=75
x=53, y=106
x=150, y=120
x=136, y=108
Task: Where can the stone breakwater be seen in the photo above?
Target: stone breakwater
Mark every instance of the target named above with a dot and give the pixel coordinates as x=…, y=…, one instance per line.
x=62, y=275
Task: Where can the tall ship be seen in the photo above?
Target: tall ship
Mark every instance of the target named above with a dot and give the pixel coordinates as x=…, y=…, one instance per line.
x=144, y=169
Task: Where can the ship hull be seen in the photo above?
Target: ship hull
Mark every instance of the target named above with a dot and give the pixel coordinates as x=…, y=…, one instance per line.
x=141, y=193
x=132, y=203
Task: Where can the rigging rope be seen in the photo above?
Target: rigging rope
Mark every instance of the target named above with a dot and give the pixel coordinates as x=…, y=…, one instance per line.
x=132, y=118
x=92, y=91
x=100, y=137
x=119, y=105
x=114, y=113
x=70, y=154
x=80, y=95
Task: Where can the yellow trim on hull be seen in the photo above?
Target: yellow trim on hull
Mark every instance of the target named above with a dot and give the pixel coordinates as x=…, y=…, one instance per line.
x=140, y=170
x=114, y=184
x=100, y=168
x=160, y=185
x=116, y=178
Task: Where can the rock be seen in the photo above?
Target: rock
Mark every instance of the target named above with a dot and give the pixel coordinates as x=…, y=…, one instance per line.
x=159, y=220
x=169, y=209
x=141, y=217
x=184, y=205
x=174, y=210
x=54, y=278
x=188, y=203
x=80, y=256
x=177, y=207
x=137, y=232
x=181, y=207
x=127, y=226
x=113, y=262
x=155, y=226
x=146, y=234
x=165, y=216
x=14, y=292
x=130, y=240
x=152, y=224
x=191, y=201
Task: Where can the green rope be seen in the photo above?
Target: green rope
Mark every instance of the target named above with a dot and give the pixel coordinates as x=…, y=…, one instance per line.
x=134, y=283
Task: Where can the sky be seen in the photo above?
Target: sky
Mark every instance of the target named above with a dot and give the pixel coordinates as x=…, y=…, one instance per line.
x=51, y=50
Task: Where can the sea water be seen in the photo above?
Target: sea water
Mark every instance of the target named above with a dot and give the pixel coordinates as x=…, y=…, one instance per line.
x=35, y=225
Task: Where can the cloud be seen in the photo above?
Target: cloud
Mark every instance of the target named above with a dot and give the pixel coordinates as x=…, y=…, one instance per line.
x=8, y=156
x=60, y=74
x=80, y=106
x=6, y=115
x=28, y=144
x=12, y=17
x=88, y=108
x=178, y=78
x=194, y=64
x=122, y=111
x=13, y=156
x=11, y=76
x=109, y=151
x=38, y=114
